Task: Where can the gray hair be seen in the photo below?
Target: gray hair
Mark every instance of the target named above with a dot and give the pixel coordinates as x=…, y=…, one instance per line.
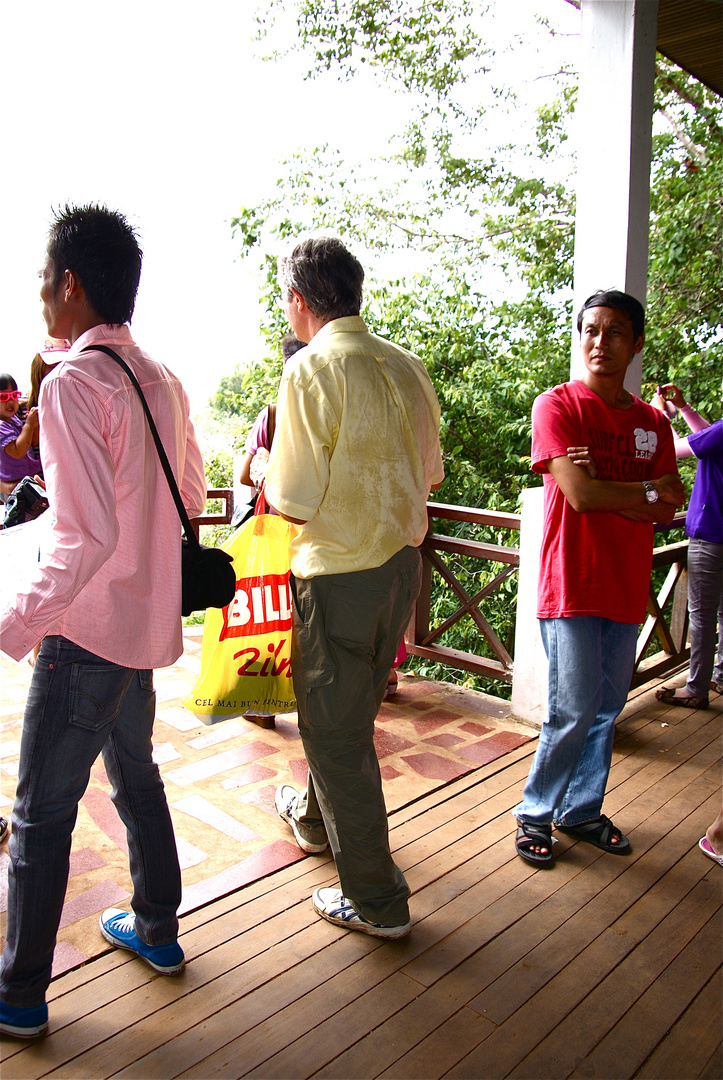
x=328, y=277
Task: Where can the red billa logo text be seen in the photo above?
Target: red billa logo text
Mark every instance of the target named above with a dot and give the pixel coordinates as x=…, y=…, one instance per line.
x=261, y=606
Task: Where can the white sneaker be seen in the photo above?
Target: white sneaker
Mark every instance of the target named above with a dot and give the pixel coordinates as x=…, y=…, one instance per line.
x=333, y=906
x=285, y=800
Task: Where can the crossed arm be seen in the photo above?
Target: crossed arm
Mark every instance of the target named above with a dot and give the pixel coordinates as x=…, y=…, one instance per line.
x=574, y=474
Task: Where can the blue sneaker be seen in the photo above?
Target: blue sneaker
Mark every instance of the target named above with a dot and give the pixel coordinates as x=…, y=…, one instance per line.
x=119, y=928
x=29, y=1022
x=333, y=906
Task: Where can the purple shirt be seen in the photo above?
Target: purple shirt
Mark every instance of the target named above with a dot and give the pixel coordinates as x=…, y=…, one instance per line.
x=16, y=468
x=704, y=519
x=259, y=434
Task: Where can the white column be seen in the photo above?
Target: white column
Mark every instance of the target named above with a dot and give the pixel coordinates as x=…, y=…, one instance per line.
x=529, y=683
x=614, y=130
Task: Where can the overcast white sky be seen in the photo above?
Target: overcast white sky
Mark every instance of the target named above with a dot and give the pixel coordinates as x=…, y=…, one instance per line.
x=163, y=111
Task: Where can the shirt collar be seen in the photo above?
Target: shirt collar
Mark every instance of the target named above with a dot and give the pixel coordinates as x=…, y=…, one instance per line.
x=348, y=324
x=104, y=333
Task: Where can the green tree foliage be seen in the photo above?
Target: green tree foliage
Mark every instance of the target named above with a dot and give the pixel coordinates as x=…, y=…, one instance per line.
x=684, y=342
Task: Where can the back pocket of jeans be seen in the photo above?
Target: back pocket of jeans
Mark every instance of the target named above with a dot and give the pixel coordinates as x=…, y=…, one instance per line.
x=96, y=694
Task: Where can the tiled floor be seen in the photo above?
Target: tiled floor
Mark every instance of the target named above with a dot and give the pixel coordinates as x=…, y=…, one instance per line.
x=221, y=780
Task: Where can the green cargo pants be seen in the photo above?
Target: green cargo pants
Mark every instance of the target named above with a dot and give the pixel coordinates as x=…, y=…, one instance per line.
x=347, y=629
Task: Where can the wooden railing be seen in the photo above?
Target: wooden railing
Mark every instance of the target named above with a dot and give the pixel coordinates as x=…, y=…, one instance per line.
x=667, y=609
x=223, y=517
x=667, y=614
x=421, y=638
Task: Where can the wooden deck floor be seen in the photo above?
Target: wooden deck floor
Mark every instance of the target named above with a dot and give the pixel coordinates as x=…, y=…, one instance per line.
x=602, y=967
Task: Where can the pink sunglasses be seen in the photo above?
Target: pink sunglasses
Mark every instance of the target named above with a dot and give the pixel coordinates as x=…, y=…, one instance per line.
x=10, y=395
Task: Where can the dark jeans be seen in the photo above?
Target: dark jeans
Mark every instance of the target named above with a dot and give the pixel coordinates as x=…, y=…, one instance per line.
x=347, y=629
x=705, y=605
x=79, y=706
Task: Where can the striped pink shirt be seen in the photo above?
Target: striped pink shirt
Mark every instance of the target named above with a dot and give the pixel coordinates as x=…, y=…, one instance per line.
x=109, y=576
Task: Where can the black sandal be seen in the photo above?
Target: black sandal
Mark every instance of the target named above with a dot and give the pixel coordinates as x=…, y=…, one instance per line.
x=600, y=833
x=530, y=836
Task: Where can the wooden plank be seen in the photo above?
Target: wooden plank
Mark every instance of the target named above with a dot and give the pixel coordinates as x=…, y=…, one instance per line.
x=306, y=1055
x=382, y=1045
x=479, y=665
x=606, y=1006
x=525, y=1016
x=477, y=549
x=647, y=1022
x=674, y=770
x=497, y=518
x=442, y=1048
x=657, y=876
x=714, y=1068
x=687, y=1048
x=524, y=955
x=589, y=854
x=230, y=1045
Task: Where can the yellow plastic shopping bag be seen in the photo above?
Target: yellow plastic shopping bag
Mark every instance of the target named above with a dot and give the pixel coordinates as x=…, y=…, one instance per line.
x=246, y=652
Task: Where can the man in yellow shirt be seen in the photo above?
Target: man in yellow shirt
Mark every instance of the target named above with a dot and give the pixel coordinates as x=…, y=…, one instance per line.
x=355, y=456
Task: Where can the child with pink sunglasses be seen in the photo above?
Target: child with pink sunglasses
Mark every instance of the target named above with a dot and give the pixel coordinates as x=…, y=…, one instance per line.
x=19, y=453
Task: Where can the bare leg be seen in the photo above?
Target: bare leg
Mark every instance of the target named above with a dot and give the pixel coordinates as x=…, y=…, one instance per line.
x=714, y=833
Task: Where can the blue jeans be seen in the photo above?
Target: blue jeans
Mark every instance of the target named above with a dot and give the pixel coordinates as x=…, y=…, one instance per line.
x=79, y=706
x=591, y=664
x=705, y=606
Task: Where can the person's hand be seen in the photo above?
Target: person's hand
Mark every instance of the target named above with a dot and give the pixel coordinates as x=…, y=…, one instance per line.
x=39, y=480
x=258, y=467
x=673, y=393
x=670, y=490
x=580, y=455
x=32, y=418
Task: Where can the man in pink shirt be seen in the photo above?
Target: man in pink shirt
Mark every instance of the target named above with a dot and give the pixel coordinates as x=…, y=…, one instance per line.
x=106, y=604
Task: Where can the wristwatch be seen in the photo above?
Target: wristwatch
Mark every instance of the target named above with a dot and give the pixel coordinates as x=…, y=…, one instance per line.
x=651, y=495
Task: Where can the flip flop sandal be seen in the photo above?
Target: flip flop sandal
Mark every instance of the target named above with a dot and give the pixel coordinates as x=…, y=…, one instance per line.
x=4, y=828
x=530, y=835
x=667, y=695
x=599, y=832
x=704, y=845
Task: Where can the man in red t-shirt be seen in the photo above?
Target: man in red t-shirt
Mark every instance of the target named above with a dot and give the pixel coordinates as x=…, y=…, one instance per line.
x=608, y=465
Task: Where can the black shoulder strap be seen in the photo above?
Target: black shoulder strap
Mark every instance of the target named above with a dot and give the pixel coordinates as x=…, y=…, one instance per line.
x=182, y=513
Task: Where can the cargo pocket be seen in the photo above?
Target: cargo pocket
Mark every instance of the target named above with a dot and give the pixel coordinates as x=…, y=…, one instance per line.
x=353, y=617
x=311, y=661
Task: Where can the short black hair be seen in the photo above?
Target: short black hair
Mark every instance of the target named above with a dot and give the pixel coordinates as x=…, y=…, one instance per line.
x=328, y=276
x=7, y=382
x=621, y=301
x=290, y=344
x=102, y=249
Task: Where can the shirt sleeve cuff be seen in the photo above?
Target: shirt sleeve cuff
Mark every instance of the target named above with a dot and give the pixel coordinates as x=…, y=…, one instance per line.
x=290, y=509
x=15, y=639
